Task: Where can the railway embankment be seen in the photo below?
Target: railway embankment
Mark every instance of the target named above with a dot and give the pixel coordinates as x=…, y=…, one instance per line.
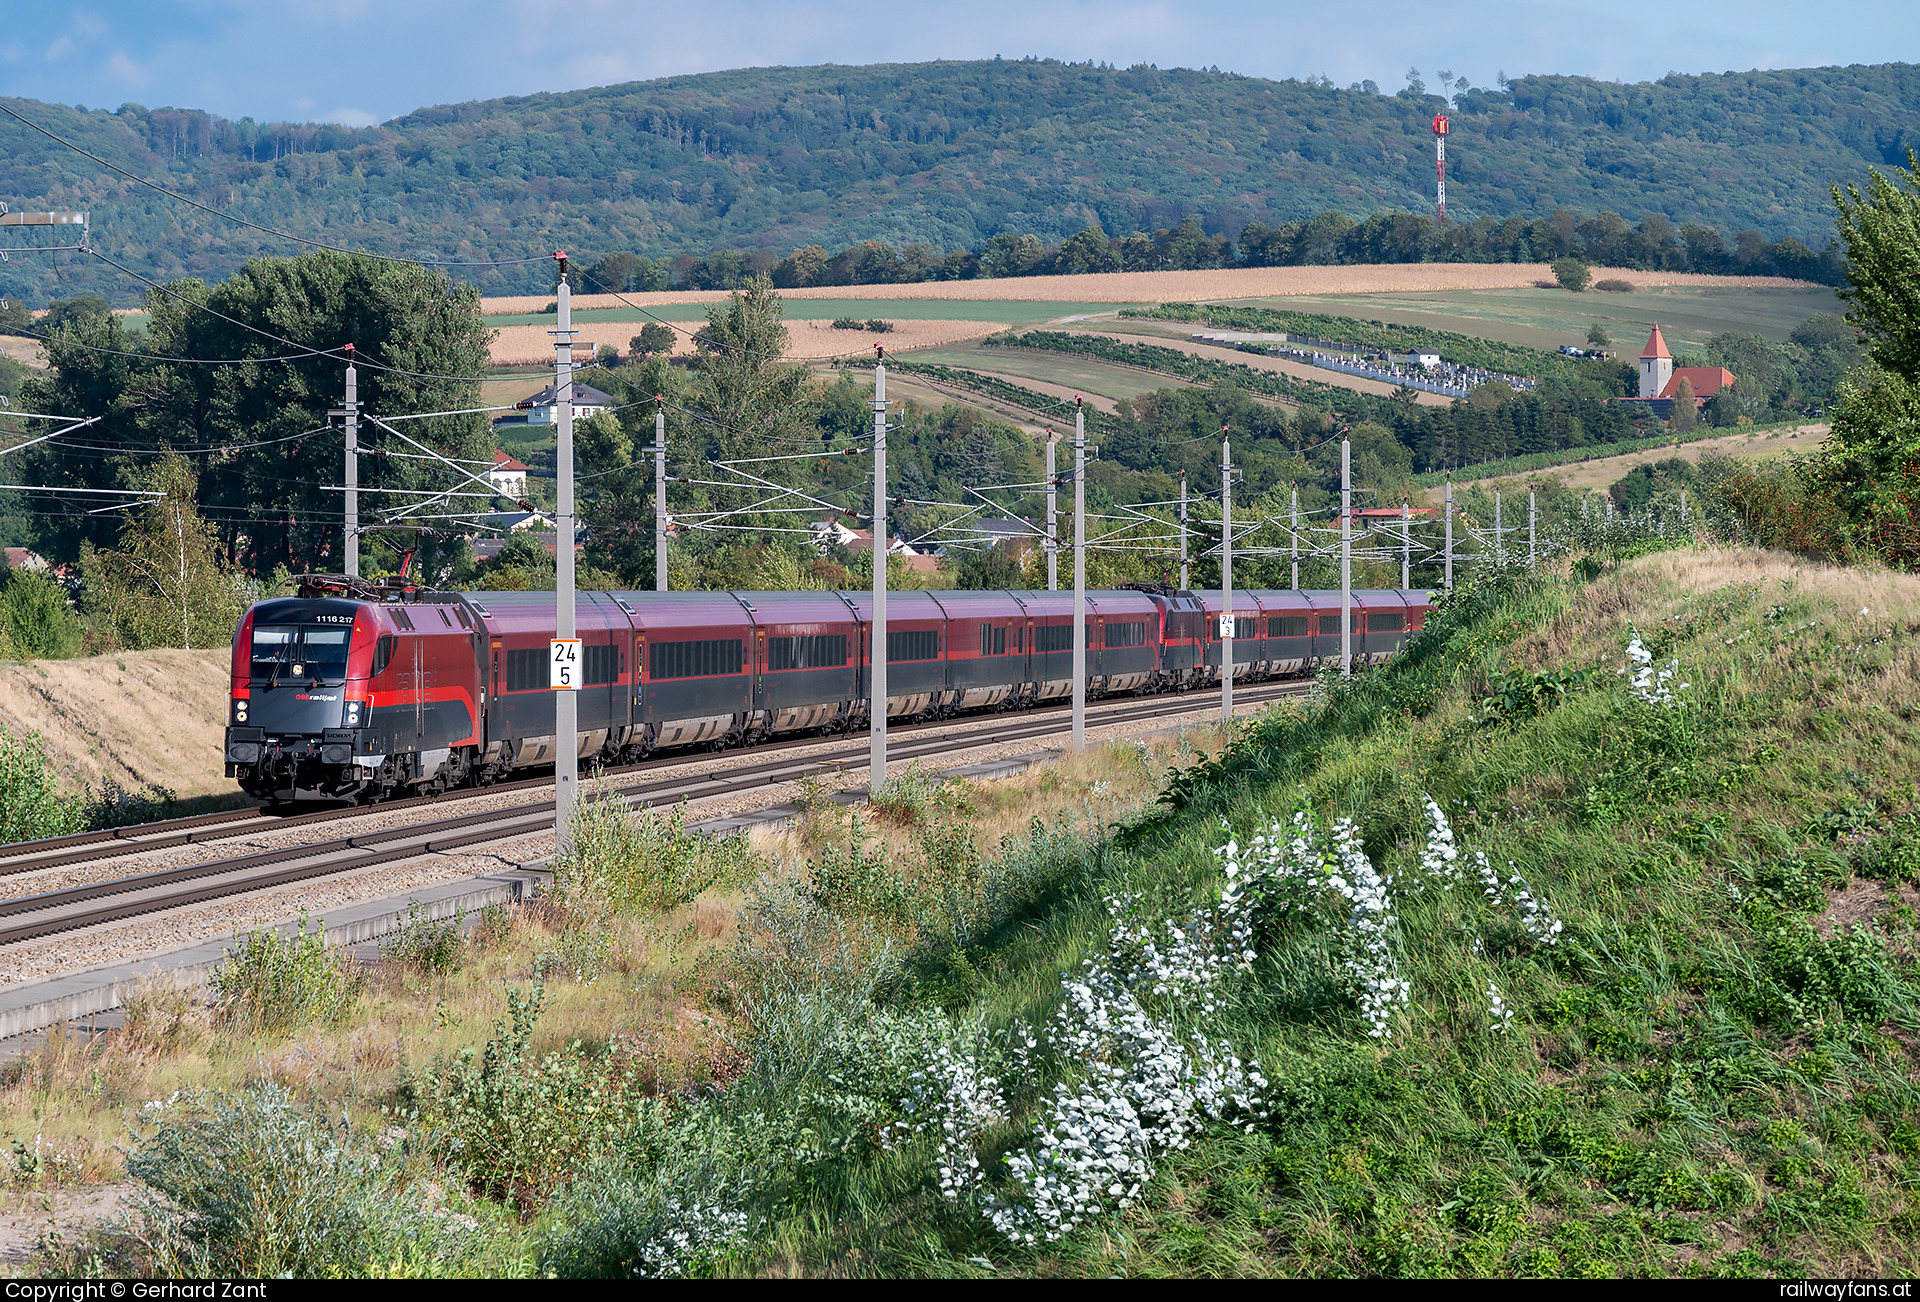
x=136, y=718
x=1580, y=939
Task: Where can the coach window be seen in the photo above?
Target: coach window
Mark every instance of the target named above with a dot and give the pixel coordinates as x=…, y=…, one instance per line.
x=913, y=644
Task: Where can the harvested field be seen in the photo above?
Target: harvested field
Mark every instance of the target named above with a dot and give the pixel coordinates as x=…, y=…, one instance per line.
x=522, y=345
x=23, y=350
x=137, y=718
x=1183, y=286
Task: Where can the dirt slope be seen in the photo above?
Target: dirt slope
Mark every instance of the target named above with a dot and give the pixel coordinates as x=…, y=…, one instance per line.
x=139, y=717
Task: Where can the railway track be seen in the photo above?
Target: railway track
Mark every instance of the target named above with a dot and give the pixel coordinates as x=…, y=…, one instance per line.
x=139, y=838
x=95, y=904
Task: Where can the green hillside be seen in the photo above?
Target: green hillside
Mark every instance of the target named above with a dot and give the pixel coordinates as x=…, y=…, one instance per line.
x=947, y=153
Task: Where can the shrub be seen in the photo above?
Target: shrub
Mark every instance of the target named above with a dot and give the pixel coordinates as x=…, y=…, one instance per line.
x=253, y=1185
x=642, y=859
x=272, y=984
x=855, y=881
x=423, y=945
x=1572, y=274
x=31, y=804
x=847, y=323
x=40, y=621
x=1614, y=286
x=880, y=327
x=115, y=806
x=905, y=799
x=516, y=1126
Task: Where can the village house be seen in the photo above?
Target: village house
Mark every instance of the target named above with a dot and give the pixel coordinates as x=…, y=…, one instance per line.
x=508, y=476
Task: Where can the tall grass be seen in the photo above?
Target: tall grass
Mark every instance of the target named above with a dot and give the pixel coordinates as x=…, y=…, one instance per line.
x=641, y=859
x=272, y=984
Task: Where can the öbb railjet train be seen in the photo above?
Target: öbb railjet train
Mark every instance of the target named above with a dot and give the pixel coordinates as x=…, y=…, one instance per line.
x=355, y=692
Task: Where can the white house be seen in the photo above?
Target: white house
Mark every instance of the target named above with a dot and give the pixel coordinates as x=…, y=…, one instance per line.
x=508, y=476
x=587, y=401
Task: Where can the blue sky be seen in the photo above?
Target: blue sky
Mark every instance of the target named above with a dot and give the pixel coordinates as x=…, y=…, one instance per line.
x=363, y=61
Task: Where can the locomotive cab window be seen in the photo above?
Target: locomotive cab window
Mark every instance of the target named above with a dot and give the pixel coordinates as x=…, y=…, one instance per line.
x=382, y=654
x=293, y=651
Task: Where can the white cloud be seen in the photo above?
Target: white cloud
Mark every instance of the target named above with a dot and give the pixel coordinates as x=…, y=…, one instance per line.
x=126, y=69
x=347, y=117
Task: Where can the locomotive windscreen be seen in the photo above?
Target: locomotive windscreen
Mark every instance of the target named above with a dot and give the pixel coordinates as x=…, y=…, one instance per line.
x=296, y=651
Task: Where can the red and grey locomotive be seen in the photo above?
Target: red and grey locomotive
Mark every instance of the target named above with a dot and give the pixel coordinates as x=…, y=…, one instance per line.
x=355, y=691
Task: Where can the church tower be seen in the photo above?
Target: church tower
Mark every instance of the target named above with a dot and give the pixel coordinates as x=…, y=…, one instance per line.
x=1656, y=366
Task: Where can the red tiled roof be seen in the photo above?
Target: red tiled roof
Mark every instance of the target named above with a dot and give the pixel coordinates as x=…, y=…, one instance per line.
x=501, y=461
x=1656, y=346
x=1706, y=381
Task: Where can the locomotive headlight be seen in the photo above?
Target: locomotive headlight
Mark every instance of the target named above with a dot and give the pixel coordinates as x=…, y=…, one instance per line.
x=352, y=715
x=239, y=711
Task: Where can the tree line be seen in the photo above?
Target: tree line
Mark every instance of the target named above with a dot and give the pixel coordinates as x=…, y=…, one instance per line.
x=1331, y=239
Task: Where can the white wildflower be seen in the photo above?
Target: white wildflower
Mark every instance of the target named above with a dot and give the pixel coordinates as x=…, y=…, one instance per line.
x=1500, y=1016
x=1650, y=686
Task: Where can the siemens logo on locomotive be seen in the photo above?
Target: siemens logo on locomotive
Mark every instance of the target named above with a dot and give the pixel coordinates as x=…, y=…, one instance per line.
x=358, y=691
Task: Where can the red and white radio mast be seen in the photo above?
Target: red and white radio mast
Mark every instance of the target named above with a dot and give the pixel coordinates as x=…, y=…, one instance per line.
x=1440, y=147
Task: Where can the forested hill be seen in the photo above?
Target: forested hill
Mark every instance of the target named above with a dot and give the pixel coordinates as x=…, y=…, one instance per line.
x=946, y=153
